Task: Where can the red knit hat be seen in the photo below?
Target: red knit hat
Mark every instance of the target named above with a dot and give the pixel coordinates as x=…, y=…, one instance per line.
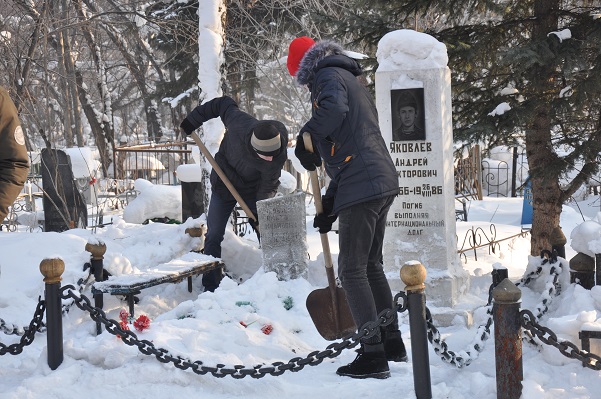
x=296, y=52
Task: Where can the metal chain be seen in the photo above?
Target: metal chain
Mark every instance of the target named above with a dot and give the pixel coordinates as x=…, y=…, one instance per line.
x=547, y=257
x=530, y=276
x=82, y=283
x=237, y=371
x=10, y=329
x=13, y=329
x=28, y=336
x=567, y=348
x=451, y=357
x=553, y=290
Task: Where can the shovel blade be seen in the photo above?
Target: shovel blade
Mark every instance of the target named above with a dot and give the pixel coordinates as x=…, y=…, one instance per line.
x=330, y=313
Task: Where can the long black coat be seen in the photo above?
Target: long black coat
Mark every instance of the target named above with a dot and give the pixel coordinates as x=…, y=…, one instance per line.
x=250, y=175
x=14, y=162
x=344, y=127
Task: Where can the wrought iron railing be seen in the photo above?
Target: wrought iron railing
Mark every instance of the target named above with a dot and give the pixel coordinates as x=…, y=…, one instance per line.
x=156, y=163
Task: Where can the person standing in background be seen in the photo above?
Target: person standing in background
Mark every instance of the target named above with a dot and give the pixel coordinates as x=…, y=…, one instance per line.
x=14, y=161
x=344, y=129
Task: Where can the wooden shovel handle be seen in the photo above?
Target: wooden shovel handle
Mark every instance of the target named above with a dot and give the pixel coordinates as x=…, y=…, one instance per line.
x=223, y=177
x=325, y=244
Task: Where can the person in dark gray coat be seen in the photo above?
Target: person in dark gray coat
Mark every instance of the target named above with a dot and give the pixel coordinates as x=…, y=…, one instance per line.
x=14, y=161
x=251, y=155
x=346, y=135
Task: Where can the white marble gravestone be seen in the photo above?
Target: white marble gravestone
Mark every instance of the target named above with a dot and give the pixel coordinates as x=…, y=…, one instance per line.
x=282, y=225
x=413, y=73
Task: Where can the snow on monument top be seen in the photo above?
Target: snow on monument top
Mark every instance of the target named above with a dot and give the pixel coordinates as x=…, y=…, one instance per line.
x=408, y=49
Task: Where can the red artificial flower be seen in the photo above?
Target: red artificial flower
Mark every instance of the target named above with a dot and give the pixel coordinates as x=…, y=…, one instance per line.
x=123, y=325
x=123, y=315
x=267, y=329
x=142, y=323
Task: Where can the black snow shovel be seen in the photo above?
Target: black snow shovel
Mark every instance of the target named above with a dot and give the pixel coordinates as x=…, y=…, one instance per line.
x=225, y=180
x=327, y=307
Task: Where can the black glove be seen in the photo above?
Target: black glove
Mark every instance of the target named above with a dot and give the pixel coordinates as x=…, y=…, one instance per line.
x=187, y=126
x=309, y=160
x=324, y=221
x=254, y=223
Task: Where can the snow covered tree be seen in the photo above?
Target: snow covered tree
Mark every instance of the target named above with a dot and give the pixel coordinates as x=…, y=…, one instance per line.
x=257, y=33
x=524, y=71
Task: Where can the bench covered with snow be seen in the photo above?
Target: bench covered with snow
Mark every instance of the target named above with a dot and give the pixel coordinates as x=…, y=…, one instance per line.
x=187, y=266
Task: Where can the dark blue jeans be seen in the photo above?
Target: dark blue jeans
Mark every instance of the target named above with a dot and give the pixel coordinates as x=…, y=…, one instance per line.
x=361, y=230
x=218, y=215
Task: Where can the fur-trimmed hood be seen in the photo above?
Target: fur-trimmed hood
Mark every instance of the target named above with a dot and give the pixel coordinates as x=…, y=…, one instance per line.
x=312, y=61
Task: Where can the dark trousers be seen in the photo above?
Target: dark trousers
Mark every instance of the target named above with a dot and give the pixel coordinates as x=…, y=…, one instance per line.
x=361, y=230
x=218, y=215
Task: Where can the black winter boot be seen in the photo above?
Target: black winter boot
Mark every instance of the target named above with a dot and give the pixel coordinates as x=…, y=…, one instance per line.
x=394, y=346
x=369, y=363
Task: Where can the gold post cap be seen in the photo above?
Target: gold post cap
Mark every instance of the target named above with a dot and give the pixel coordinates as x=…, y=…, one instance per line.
x=413, y=275
x=97, y=249
x=52, y=269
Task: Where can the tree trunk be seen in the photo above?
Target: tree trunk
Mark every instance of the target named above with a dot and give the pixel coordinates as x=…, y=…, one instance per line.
x=211, y=32
x=64, y=90
x=546, y=192
x=98, y=129
x=137, y=59
x=71, y=90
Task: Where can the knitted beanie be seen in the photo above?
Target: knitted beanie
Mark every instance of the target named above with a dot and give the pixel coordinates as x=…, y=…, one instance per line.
x=296, y=52
x=266, y=139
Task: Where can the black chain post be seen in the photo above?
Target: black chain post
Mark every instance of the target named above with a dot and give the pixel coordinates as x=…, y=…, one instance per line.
x=52, y=269
x=414, y=275
x=598, y=268
x=582, y=270
x=508, y=343
x=97, y=250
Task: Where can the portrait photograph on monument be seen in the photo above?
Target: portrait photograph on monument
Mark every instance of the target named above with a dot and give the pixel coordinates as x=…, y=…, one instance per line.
x=408, y=119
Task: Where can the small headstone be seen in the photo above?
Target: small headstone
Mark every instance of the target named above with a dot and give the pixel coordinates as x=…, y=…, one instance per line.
x=64, y=206
x=282, y=224
x=193, y=195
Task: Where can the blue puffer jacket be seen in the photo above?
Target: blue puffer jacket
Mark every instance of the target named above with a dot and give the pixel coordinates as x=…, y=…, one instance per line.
x=250, y=175
x=344, y=127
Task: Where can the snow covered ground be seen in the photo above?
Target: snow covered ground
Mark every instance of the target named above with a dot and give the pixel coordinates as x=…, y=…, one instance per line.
x=206, y=326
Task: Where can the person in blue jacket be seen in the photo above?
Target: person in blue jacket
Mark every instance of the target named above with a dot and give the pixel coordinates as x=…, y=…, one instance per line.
x=346, y=135
x=251, y=155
